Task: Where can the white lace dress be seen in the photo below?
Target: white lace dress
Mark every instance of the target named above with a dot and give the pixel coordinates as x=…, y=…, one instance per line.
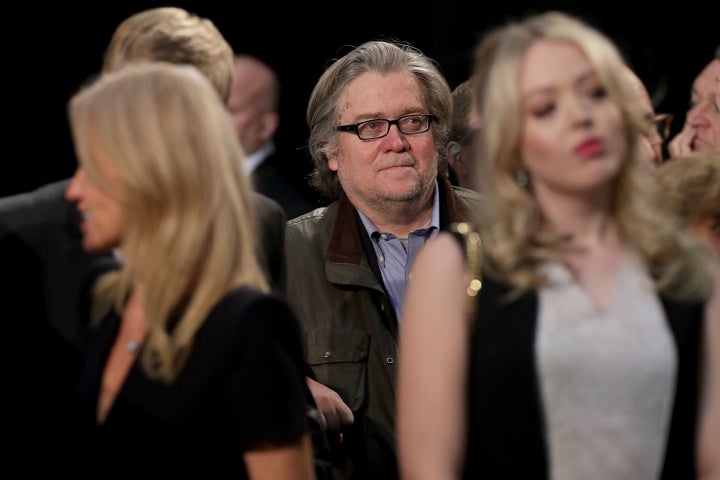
x=607, y=377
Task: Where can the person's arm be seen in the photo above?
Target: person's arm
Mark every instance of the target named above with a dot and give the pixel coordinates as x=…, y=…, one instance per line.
x=431, y=408
x=287, y=461
x=709, y=444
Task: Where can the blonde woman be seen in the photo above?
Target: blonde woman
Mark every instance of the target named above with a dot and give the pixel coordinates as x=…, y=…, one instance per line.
x=192, y=365
x=584, y=358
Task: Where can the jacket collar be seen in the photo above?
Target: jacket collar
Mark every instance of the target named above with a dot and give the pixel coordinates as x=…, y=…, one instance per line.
x=347, y=239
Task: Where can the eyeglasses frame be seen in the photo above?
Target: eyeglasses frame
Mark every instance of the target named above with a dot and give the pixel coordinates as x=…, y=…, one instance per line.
x=664, y=119
x=355, y=128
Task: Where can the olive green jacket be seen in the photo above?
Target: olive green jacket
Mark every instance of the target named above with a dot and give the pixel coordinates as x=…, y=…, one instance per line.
x=350, y=327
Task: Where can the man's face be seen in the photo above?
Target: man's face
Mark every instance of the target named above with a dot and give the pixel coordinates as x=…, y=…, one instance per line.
x=704, y=113
x=250, y=105
x=395, y=168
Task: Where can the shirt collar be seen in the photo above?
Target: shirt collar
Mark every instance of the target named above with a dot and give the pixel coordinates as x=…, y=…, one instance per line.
x=253, y=160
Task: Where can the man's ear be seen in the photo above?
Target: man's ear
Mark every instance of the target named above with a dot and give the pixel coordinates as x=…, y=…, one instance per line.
x=332, y=159
x=270, y=124
x=453, y=152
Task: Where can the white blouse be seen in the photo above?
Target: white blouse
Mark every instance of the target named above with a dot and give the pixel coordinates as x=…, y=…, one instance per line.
x=607, y=376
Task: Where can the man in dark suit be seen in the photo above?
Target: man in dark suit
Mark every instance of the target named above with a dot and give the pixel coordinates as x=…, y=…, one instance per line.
x=253, y=105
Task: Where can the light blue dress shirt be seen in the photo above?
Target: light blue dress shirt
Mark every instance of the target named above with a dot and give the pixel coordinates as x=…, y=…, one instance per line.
x=395, y=255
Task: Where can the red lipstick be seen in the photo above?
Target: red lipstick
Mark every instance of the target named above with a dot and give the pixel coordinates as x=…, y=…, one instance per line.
x=590, y=148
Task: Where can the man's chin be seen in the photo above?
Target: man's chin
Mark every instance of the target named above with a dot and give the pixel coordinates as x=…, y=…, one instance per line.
x=405, y=194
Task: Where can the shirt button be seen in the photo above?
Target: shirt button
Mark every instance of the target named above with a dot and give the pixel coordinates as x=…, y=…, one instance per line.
x=389, y=360
x=327, y=354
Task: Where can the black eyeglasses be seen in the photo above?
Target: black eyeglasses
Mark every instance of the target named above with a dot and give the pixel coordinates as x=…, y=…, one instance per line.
x=412, y=124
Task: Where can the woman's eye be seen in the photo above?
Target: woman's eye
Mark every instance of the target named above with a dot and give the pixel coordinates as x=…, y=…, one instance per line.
x=598, y=92
x=543, y=110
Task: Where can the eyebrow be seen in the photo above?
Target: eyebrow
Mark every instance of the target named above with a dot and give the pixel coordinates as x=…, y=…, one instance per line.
x=379, y=116
x=366, y=116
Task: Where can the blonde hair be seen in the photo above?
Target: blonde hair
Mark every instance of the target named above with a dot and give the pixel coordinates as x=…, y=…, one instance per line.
x=188, y=233
x=691, y=186
x=516, y=239
x=174, y=35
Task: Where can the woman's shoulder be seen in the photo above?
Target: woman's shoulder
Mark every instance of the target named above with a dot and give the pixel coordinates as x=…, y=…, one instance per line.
x=245, y=298
x=245, y=306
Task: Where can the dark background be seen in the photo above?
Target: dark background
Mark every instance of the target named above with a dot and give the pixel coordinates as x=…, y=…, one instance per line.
x=48, y=51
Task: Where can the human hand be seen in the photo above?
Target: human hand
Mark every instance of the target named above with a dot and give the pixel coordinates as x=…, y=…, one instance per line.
x=334, y=413
x=681, y=145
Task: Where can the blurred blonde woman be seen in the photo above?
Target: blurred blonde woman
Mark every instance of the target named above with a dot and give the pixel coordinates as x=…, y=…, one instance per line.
x=192, y=364
x=582, y=360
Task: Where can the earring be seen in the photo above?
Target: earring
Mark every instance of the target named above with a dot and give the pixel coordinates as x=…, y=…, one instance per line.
x=521, y=178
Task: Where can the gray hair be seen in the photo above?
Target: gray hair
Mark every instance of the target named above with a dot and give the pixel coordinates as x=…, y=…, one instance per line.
x=374, y=56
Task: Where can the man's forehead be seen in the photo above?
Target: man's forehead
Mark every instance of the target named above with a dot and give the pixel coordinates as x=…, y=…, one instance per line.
x=711, y=72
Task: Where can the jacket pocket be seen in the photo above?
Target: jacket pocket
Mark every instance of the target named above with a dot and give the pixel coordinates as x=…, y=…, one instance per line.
x=338, y=358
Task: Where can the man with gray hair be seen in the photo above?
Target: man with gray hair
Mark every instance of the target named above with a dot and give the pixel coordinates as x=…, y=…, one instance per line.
x=379, y=120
